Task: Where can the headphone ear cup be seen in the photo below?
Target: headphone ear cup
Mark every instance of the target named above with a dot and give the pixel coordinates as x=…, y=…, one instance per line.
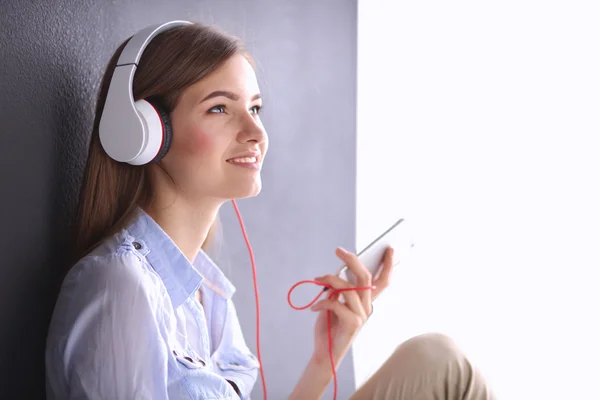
x=167, y=131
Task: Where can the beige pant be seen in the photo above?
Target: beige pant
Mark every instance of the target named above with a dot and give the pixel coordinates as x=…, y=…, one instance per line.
x=426, y=367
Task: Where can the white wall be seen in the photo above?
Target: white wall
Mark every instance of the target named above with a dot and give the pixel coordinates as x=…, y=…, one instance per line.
x=480, y=124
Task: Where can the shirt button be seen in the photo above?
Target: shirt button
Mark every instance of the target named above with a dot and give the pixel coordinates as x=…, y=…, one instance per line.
x=137, y=245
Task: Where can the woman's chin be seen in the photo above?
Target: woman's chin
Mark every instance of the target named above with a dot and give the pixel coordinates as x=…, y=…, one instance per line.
x=246, y=192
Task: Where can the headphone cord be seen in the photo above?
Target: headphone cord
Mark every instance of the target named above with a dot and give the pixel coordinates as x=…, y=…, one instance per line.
x=262, y=374
x=333, y=293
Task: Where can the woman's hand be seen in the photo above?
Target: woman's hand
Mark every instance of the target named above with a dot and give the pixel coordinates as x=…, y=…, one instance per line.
x=349, y=316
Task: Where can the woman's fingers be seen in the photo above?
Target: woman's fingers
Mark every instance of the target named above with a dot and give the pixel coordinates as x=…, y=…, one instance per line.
x=351, y=296
x=363, y=276
x=383, y=280
x=345, y=315
x=358, y=302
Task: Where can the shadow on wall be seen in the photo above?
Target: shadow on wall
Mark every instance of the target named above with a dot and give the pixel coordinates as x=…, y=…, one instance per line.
x=46, y=117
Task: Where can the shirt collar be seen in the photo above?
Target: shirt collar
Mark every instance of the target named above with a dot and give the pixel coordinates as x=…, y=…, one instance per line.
x=180, y=277
x=213, y=276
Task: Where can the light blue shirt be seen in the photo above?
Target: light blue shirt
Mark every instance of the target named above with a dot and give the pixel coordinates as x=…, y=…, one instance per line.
x=128, y=325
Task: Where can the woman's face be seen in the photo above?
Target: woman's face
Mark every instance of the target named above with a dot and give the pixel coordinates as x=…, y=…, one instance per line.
x=219, y=142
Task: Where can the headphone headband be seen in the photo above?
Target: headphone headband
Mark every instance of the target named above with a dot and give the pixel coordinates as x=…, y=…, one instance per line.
x=131, y=131
x=135, y=47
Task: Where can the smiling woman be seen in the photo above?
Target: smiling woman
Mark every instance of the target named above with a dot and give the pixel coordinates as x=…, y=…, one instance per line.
x=225, y=125
x=140, y=272
x=112, y=191
x=144, y=312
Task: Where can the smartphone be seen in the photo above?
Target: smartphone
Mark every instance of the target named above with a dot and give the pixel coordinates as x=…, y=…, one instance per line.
x=371, y=257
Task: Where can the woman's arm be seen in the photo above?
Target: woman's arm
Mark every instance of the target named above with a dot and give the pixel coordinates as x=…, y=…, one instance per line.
x=110, y=339
x=107, y=340
x=314, y=379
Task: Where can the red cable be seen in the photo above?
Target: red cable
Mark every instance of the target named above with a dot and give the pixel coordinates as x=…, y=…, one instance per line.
x=332, y=294
x=262, y=374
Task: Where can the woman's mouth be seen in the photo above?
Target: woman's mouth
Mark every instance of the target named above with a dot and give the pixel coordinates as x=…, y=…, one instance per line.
x=245, y=162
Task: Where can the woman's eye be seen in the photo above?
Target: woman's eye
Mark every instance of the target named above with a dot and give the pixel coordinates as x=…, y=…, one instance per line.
x=217, y=109
x=255, y=109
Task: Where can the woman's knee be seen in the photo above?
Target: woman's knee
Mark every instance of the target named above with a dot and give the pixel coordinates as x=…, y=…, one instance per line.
x=429, y=347
x=435, y=339
x=426, y=366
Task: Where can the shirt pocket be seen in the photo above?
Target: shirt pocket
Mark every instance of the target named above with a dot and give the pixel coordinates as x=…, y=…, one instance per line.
x=234, y=360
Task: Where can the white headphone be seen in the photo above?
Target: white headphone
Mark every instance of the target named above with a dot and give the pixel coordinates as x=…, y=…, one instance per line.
x=134, y=132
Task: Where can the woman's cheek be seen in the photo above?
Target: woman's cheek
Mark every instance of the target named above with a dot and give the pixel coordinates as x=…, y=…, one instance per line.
x=200, y=143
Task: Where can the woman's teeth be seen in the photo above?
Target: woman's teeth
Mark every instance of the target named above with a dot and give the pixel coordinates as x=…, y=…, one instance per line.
x=244, y=160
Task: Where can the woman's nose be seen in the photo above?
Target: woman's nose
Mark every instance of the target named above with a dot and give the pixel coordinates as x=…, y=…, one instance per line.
x=252, y=131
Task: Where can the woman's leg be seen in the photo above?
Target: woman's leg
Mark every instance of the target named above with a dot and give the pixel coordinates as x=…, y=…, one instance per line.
x=426, y=367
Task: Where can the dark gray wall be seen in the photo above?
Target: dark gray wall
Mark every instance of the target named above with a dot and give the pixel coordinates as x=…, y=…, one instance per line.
x=52, y=55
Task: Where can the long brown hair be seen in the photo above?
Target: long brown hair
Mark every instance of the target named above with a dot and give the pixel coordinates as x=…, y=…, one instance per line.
x=111, y=191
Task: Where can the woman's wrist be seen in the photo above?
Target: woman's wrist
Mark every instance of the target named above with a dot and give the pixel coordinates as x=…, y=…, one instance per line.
x=314, y=380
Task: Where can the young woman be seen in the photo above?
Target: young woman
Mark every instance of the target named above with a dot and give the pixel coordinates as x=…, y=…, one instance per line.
x=144, y=313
